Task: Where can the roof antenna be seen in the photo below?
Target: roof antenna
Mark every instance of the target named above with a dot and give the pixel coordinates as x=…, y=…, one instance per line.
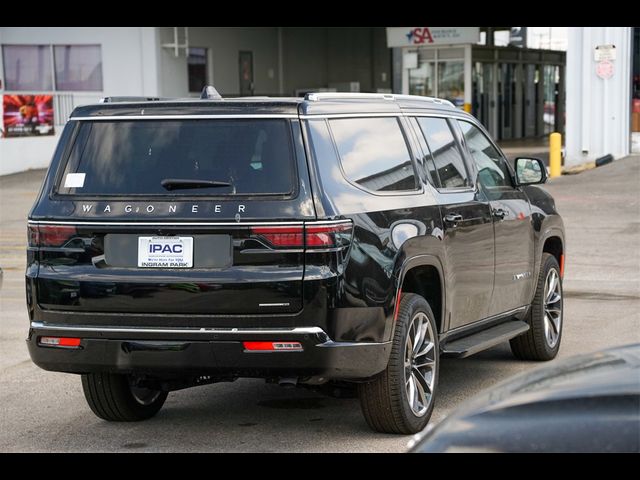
x=210, y=93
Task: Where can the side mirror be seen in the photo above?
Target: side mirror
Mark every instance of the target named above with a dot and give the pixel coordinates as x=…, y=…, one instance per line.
x=530, y=171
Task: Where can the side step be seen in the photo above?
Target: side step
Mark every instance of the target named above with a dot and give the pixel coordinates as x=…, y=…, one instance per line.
x=467, y=346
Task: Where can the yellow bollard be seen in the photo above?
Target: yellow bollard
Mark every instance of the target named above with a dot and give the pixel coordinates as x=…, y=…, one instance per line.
x=555, y=155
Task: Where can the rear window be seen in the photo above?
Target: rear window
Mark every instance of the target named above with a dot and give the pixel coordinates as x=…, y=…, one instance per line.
x=254, y=157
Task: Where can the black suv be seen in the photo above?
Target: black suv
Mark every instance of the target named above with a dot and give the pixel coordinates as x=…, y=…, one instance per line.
x=339, y=239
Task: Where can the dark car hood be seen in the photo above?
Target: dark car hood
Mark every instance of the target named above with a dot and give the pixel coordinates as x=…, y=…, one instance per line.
x=609, y=372
x=548, y=408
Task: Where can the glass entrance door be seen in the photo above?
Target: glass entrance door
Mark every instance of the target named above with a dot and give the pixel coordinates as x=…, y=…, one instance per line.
x=440, y=73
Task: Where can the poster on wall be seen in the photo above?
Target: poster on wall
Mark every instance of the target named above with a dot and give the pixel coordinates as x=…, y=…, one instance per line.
x=27, y=115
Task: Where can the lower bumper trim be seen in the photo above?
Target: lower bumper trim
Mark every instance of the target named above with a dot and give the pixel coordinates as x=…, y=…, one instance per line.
x=176, y=352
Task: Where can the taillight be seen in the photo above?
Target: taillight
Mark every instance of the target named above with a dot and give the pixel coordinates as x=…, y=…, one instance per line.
x=310, y=236
x=328, y=236
x=50, y=235
x=281, y=237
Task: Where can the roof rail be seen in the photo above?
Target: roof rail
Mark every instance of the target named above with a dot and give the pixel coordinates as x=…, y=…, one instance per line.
x=128, y=99
x=439, y=101
x=317, y=97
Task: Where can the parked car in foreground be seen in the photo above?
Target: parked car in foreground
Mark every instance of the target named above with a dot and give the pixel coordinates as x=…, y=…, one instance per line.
x=339, y=237
x=586, y=403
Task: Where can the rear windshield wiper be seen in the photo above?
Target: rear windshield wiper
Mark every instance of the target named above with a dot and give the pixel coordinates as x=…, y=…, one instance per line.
x=182, y=184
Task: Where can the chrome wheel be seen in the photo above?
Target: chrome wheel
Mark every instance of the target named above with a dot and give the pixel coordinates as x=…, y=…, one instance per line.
x=420, y=364
x=552, y=307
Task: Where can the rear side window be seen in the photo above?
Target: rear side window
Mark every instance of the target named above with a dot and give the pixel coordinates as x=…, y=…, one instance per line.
x=374, y=153
x=254, y=157
x=449, y=164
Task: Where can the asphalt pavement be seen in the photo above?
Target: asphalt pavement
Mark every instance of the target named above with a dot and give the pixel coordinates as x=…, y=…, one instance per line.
x=43, y=411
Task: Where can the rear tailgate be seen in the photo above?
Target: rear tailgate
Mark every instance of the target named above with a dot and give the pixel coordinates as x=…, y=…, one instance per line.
x=96, y=268
x=132, y=226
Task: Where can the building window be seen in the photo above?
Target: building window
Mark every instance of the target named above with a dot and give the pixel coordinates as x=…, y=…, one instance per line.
x=197, y=65
x=374, y=154
x=78, y=67
x=27, y=67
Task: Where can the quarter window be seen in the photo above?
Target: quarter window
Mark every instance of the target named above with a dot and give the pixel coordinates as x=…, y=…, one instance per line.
x=492, y=167
x=449, y=164
x=374, y=153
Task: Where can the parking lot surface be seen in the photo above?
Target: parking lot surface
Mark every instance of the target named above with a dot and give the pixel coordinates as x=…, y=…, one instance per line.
x=43, y=411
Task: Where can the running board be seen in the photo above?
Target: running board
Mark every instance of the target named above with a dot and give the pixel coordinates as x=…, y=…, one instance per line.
x=467, y=346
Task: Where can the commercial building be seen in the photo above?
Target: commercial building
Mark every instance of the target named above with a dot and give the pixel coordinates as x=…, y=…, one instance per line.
x=603, y=86
x=46, y=71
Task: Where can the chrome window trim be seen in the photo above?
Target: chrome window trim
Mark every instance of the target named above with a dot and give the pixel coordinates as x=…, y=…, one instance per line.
x=189, y=224
x=182, y=117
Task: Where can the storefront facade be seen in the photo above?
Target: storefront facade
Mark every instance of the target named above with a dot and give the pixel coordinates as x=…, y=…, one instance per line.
x=515, y=92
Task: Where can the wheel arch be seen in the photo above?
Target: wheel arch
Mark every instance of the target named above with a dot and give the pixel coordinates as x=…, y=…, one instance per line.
x=423, y=275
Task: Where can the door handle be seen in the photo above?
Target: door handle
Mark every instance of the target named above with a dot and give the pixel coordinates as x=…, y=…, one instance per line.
x=453, y=218
x=500, y=213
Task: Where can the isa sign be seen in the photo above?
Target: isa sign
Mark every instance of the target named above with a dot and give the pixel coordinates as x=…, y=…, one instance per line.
x=431, y=36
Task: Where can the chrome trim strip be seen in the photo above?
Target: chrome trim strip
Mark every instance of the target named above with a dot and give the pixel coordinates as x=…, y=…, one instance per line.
x=485, y=321
x=440, y=114
x=165, y=224
x=274, y=304
x=182, y=117
x=352, y=115
x=189, y=224
x=245, y=331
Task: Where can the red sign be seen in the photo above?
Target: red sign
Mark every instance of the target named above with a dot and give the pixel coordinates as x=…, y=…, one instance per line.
x=420, y=36
x=605, y=69
x=27, y=115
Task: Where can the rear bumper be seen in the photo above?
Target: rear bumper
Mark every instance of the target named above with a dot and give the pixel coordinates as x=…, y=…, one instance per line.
x=175, y=352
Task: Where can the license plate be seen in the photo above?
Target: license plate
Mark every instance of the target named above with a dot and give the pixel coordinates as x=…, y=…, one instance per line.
x=165, y=252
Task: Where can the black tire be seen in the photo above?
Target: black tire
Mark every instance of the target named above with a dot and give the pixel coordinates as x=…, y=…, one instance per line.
x=111, y=398
x=535, y=344
x=385, y=399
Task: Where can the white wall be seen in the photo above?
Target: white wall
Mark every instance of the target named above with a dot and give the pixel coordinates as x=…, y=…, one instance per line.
x=226, y=43
x=598, y=111
x=26, y=153
x=129, y=67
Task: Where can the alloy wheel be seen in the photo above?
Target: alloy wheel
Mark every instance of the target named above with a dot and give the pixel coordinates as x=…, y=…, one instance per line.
x=420, y=364
x=552, y=307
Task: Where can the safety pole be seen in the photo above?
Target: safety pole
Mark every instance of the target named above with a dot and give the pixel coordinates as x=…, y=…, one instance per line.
x=555, y=155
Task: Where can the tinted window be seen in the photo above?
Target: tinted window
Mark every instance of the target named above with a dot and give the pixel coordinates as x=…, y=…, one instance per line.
x=27, y=67
x=78, y=67
x=427, y=160
x=446, y=154
x=492, y=167
x=374, y=153
x=127, y=157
